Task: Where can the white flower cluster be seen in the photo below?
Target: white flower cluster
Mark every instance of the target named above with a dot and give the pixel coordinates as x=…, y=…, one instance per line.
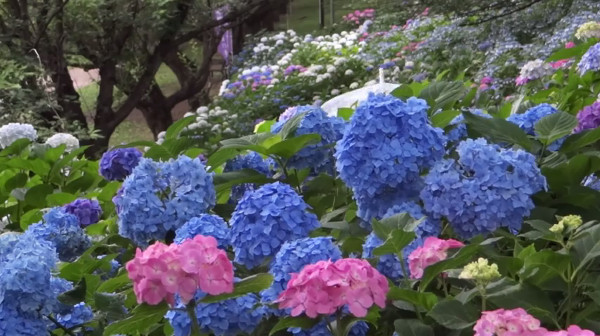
x=66, y=139
x=535, y=69
x=216, y=119
x=14, y=131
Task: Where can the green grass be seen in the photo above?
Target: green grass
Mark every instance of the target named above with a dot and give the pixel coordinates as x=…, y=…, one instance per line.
x=304, y=15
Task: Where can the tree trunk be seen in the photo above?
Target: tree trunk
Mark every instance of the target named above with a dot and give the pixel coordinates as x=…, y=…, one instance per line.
x=156, y=111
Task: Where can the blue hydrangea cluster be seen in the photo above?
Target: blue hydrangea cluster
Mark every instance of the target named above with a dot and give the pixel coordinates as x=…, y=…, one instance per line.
x=27, y=287
x=526, y=121
x=389, y=264
x=590, y=60
x=87, y=211
x=117, y=164
x=206, y=225
x=486, y=188
x=459, y=132
x=386, y=148
x=293, y=256
x=320, y=329
x=225, y=318
x=252, y=160
x=317, y=157
x=162, y=196
x=63, y=231
x=78, y=315
x=264, y=219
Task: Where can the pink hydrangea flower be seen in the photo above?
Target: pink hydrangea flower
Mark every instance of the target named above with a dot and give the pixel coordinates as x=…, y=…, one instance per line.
x=521, y=81
x=161, y=271
x=515, y=322
x=327, y=286
x=432, y=251
x=570, y=45
x=572, y=331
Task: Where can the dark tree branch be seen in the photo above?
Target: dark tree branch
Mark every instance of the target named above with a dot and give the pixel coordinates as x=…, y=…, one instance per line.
x=502, y=14
x=44, y=26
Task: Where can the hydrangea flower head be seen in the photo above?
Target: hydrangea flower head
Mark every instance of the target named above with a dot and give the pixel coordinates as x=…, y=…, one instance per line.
x=79, y=314
x=117, y=164
x=589, y=117
x=266, y=218
x=64, y=232
x=87, y=211
x=533, y=70
x=316, y=121
x=225, y=318
x=293, y=256
x=481, y=271
x=526, y=121
x=206, y=225
x=486, y=188
x=387, y=146
x=432, y=251
x=253, y=161
x=161, y=271
x=389, y=264
x=573, y=330
x=515, y=322
x=14, y=131
x=162, y=196
x=590, y=60
x=326, y=286
x=15, y=323
x=71, y=143
x=320, y=329
x=459, y=132
x=587, y=30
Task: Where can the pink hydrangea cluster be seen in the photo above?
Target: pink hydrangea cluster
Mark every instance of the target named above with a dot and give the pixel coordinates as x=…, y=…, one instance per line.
x=161, y=271
x=359, y=16
x=327, y=286
x=432, y=251
x=572, y=331
x=515, y=322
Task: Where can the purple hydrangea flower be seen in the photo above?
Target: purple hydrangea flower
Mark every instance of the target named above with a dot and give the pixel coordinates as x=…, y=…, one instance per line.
x=117, y=164
x=87, y=211
x=589, y=117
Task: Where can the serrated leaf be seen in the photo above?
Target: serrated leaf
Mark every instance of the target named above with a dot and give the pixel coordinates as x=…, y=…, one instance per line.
x=302, y=322
x=75, y=295
x=440, y=95
x=112, y=284
x=287, y=148
x=498, y=130
x=178, y=126
x=345, y=113
x=555, y=126
x=579, y=140
x=459, y=259
x=290, y=126
x=403, y=92
x=454, y=315
x=397, y=240
x=143, y=318
x=409, y=327
x=251, y=284
x=443, y=118
x=424, y=300
x=36, y=196
x=17, y=147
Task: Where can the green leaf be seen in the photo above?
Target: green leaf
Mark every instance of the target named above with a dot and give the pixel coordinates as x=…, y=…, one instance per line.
x=454, y=315
x=37, y=166
x=461, y=258
x=30, y=217
x=579, y=140
x=220, y=157
x=75, y=295
x=36, y=196
x=441, y=95
x=227, y=180
x=424, y=300
x=406, y=327
x=17, y=147
x=554, y=126
x=109, y=191
x=264, y=126
x=113, y=284
x=111, y=304
x=287, y=148
x=143, y=318
x=178, y=126
x=345, y=112
x=544, y=265
x=443, y=118
x=290, y=126
x=383, y=228
x=302, y=322
x=498, y=130
x=394, y=244
x=586, y=246
x=403, y=92
x=158, y=152
x=523, y=295
x=251, y=284
x=576, y=51
x=59, y=199
x=572, y=172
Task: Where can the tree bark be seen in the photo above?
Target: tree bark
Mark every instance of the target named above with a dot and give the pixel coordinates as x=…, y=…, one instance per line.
x=156, y=111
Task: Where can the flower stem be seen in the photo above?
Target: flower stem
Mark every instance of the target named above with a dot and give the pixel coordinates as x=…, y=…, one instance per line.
x=191, y=310
x=59, y=325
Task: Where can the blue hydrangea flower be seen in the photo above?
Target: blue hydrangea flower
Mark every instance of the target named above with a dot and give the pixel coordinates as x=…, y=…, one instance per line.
x=225, y=318
x=162, y=196
x=206, y=225
x=264, y=219
x=389, y=264
x=293, y=256
x=320, y=329
x=387, y=147
x=28, y=291
x=460, y=131
x=87, y=211
x=378, y=206
x=64, y=232
x=487, y=188
x=117, y=164
x=79, y=314
x=318, y=157
x=590, y=60
x=252, y=160
x=526, y=121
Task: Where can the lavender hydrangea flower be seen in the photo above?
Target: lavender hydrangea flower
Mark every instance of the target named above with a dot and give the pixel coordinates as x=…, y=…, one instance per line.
x=589, y=117
x=14, y=131
x=590, y=60
x=117, y=164
x=87, y=211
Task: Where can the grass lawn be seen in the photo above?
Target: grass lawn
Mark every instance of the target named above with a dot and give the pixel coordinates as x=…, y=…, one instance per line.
x=304, y=15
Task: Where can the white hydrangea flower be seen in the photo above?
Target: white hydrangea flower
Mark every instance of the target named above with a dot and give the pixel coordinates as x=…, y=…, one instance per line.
x=535, y=69
x=264, y=39
x=409, y=65
x=353, y=86
x=371, y=82
x=188, y=114
x=335, y=92
x=66, y=139
x=216, y=128
x=14, y=131
x=4, y=222
x=202, y=110
x=349, y=72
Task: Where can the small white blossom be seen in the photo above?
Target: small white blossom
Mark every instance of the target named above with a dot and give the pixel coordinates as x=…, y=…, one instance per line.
x=349, y=72
x=15, y=131
x=353, y=86
x=66, y=139
x=335, y=92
